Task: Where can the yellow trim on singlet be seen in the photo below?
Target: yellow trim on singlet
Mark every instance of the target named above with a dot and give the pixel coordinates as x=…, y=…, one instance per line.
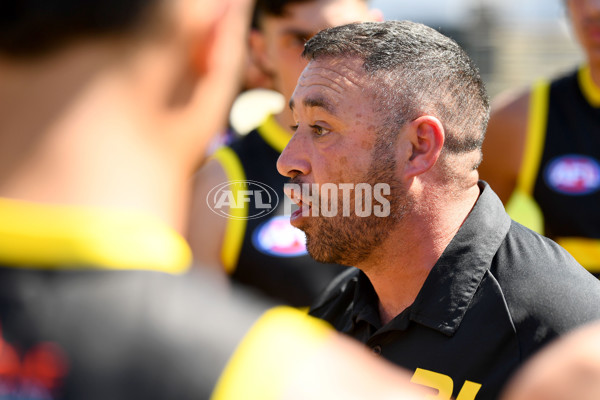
x=536, y=136
x=585, y=251
x=236, y=224
x=521, y=206
x=278, y=343
x=34, y=235
x=276, y=137
x=590, y=91
x=274, y=134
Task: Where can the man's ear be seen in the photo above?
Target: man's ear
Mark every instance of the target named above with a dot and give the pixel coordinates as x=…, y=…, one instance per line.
x=426, y=136
x=203, y=46
x=217, y=46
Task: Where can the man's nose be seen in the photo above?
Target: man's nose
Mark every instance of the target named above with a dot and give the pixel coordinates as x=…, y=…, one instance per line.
x=294, y=159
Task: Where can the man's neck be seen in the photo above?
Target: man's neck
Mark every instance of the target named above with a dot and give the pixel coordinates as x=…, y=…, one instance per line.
x=398, y=269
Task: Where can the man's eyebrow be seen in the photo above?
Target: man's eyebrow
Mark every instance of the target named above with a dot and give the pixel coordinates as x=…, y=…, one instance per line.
x=315, y=102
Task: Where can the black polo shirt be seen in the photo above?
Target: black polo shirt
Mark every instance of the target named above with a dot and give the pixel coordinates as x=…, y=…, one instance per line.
x=496, y=295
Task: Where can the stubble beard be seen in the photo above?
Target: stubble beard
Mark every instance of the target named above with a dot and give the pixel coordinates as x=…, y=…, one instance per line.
x=352, y=239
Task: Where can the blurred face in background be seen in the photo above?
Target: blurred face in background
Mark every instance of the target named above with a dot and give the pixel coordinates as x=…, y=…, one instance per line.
x=278, y=45
x=585, y=18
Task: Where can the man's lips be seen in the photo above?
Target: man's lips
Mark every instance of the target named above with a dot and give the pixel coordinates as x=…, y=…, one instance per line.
x=302, y=211
x=296, y=196
x=304, y=208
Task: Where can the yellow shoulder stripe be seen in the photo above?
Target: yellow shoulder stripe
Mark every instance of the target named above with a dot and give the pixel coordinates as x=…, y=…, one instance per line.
x=585, y=251
x=236, y=224
x=526, y=211
x=521, y=206
x=35, y=235
x=536, y=135
x=590, y=91
x=274, y=347
x=274, y=134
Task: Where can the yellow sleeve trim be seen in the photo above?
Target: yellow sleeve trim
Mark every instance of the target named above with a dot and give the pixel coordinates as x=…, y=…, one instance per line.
x=589, y=89
x=521, y=206
x=274, y=134
x=236, y=224
x=65, y=237
x=536, y=135
x=526, y=211
x=585, y=251
x=269, y=353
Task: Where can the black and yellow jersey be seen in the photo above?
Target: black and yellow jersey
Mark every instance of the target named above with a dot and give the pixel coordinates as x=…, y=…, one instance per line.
x=498, y=293
x=262, y=249
x=561, y=163
x=102, y=304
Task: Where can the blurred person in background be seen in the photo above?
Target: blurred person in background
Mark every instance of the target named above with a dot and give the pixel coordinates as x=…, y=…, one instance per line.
x=267, y=253
x=106, y=107
x=542, y=147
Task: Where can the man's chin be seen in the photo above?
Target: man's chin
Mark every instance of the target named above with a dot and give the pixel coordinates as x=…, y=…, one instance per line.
x=317, y=251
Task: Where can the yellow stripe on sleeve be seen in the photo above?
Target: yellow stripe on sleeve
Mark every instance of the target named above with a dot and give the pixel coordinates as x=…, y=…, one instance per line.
x=274, y=134
x=585, y=251
x=236, y=224
x=65, y=236
x=536, y=136
x=279, y=341
x=521, y=206
x=589, y=89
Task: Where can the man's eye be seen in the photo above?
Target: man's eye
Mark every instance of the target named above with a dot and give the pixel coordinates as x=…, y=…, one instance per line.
x=294, y=128
x=319, y=130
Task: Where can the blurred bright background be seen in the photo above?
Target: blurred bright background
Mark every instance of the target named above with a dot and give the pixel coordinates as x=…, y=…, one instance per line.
x=513, y=42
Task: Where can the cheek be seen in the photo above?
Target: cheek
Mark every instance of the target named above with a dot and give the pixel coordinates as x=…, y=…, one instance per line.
x=344, y=168
x=330, y=169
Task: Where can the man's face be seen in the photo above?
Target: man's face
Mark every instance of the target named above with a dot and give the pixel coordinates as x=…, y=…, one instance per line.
x=337, y=141
x=585, y=17
x=283, y=37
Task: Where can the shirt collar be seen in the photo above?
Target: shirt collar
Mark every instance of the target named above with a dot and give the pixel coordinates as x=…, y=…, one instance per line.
x=366, y=302
x=53, y=236
x=448, y=290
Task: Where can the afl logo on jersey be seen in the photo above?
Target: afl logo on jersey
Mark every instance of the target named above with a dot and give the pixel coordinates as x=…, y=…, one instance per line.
x=573, y=175
x=278, y=238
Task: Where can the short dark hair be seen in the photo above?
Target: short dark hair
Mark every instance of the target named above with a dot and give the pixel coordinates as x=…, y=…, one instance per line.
x=273, y=8
x=414, y=70
x=36, y=27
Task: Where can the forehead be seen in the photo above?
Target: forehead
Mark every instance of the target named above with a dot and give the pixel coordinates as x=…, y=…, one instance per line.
x=313, y=16
x=331, y=82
